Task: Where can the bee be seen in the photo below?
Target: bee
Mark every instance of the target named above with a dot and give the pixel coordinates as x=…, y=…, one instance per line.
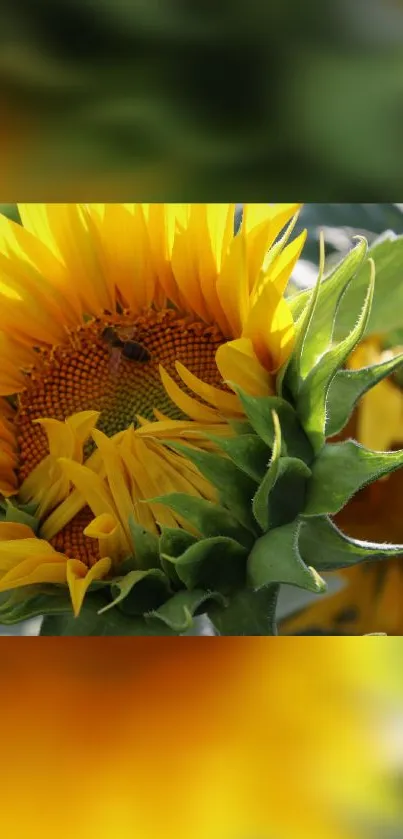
x=122, y=345
x=134, y=351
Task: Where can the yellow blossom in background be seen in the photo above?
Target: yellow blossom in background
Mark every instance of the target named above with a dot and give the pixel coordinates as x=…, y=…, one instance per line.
x=120, y=325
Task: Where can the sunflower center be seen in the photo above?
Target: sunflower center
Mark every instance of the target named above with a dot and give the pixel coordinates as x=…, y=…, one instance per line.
x=111, y=366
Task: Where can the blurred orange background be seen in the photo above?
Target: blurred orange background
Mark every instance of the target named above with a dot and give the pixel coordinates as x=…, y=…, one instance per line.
x=192, y=738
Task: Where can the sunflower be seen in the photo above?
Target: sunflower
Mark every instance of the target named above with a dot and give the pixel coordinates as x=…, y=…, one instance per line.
x=121, y=326
x=371, y=599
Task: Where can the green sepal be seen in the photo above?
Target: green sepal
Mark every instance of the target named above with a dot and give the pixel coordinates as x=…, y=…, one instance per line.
x=146, y=546
x=340, y=470
x=235, y=488
x=259, y=410
x=139, y=592
x=19, y=513
x=347, y=388
x=173, y=543
x=89, y=622
x=33, y=601
x=311, y=402
x=260, y=503
x=289, y=376
x=218, y=563
x=327, y=548
x=316, y=311
x=247, y=613
x=275, y=558
x=387, y=307
x=287, y=497
x=208, y=518
x=178, y=612
x=247, y=451
x=11, y=212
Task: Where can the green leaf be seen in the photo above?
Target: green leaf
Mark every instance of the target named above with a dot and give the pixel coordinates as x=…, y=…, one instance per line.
x=139, y=592
x=247, y=451
x=275, y=559
x=316, y=324
x=311, y=404
x=247, y=613
x=209, y=519
x=218, y=563
x=145, y=545
x=340, y=470
x=173, y=543
x=347, y=388
x=324, y=546
x=31, y=602
x=235, y=488
x=11, y=212
x=329, y=295
x=20, y=513
x=178, y=612
x=387, y=306
x=259, y=410
x=260, y=504
x=90, y=622
x=287, y=497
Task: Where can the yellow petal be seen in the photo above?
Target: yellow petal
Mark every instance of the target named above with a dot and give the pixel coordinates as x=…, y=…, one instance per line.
x=173, y=429
x=254, y=215
x=380, y=417
x=30, y=308
x=74, y=502
x=126, y=251
x=115, y=474
x=281, y=269
x=34, y=218
x=60, y=436
x=23, y=245
x=82, y=424
x=150, y=478
x=101, y=527
x=227, y=403
x=12, y=530
x=112, y=541
x=270, y=327
x=62, y=515
x=187, y=404
x=261, y=224
x=233, y=286
x=237, y=363
x=181, y=467
x=185, y=268
x=79, y=578
x=69, y=230
x=39, y=569
x=90, y=485
x=161, y=225
x=214, y=224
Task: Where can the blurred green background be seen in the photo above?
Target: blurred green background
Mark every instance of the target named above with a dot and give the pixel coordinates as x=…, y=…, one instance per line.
x=191, y=100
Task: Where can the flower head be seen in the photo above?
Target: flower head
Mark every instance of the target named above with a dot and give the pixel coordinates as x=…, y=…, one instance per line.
x=120, y=327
